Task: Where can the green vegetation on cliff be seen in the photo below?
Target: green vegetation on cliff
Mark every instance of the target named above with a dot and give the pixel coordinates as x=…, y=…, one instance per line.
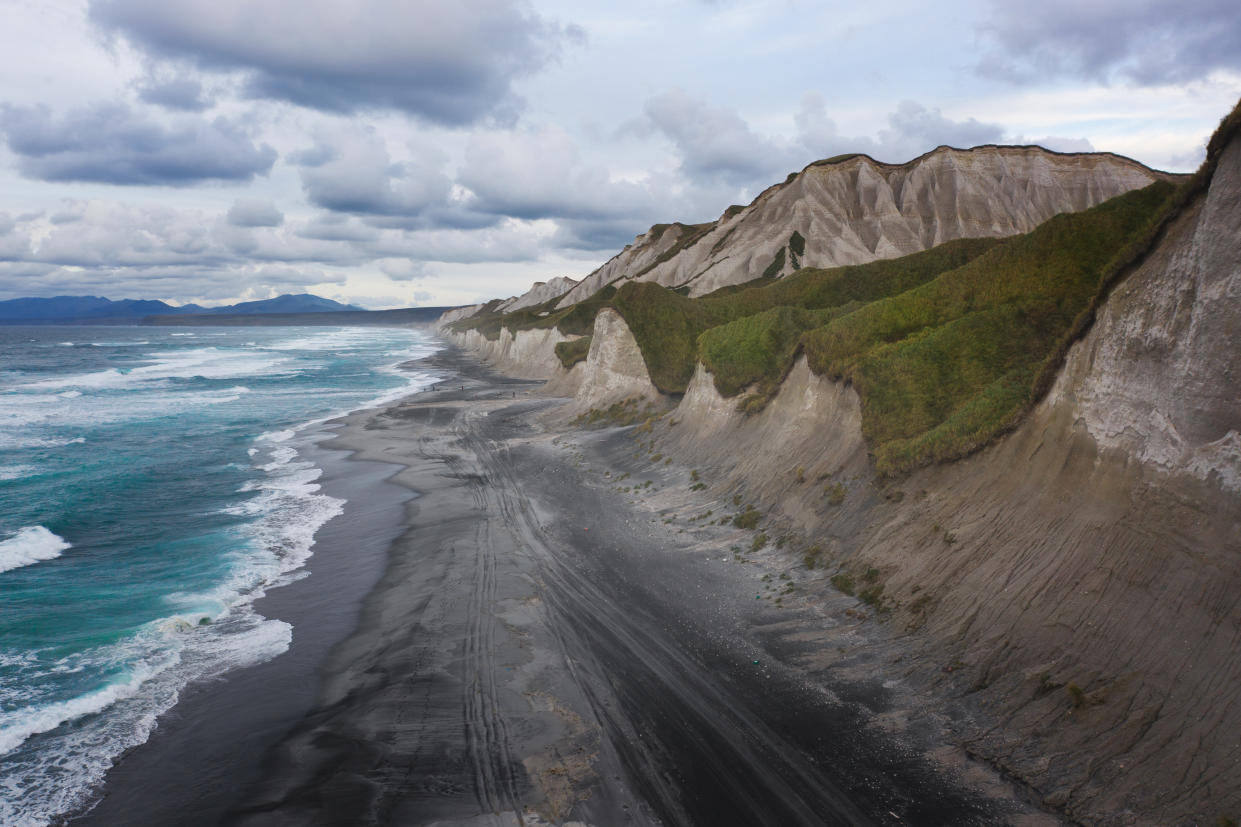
x=573, y=351
x=946, y=348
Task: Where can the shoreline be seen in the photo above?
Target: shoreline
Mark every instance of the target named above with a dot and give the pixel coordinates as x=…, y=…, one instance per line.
x=210, y=742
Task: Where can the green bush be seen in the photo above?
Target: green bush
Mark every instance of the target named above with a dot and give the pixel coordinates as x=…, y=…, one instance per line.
x=872, y=595
x=748, y=519
x=573, y=351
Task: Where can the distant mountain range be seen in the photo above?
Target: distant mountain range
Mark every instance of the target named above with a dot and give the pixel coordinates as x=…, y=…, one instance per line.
x=97, y=308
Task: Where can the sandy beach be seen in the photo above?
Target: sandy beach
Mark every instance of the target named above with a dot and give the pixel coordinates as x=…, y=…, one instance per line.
x=515, y=623
x=554, y=640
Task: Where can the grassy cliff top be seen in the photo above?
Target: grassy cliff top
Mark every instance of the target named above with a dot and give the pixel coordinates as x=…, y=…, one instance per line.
x=947, y=348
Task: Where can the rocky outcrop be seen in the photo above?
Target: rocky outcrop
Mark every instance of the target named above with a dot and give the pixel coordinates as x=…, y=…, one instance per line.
x=540, y=292
x=637, y=258
x=456, y=315
x=614, y=370
x=1158, y=376
x=810, y=431
x=858, y=210
x=565, y=381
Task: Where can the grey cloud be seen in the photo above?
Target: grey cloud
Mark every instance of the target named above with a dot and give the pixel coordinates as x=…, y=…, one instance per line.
x=315, y=156
x=596, y=236
x=168, y=252
x=353, y=174
x=536, y=174
x=115, y=144
x=714, y=142
x=506, y=242
x=338, y=228
x=403, y=269
x=65, y=216
x=452, y=216
x=251, y=212
x=449, y=61
x=358, y=176
x=1057, y=144
x=912, y=130
x=1149, y=42
x=181, y=92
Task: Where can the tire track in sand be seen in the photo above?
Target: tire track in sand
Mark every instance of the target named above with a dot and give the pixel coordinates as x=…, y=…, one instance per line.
x=487, y=737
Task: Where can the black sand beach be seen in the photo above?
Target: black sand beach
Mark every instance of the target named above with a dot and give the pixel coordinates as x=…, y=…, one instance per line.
x=210, y=745
x=547, y=644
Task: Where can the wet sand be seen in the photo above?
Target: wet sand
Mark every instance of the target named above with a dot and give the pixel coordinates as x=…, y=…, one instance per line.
x=551, y=644
x=209, y=747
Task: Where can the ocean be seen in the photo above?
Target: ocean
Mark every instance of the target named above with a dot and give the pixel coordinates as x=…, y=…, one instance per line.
x=153, y=485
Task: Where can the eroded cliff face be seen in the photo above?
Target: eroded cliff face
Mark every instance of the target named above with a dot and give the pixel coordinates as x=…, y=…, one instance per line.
x=456, y=315
x=528, y=354
x=614, y=370
x=1158, y=376
x=860, y=210
x=636, y=258
x=540, y=292
x=811, y=431
x=1080, y=580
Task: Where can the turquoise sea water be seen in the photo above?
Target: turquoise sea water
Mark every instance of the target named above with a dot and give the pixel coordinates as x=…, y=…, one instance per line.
x=150, y=490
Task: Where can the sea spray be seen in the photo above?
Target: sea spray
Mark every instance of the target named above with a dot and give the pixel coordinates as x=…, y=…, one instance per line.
x=32, y=544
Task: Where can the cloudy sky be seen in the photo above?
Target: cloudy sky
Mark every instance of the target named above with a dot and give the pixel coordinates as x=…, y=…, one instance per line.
x=417, y=152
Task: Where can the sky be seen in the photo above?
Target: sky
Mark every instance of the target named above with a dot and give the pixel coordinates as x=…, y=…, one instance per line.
x=394, y=153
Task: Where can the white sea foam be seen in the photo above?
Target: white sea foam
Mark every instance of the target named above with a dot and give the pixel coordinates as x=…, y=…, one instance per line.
x=16, y=472
x=57, y=774
x=52, y=769
x=20, y=413
x=31, y=545
x=276, y=436
x=332, y=340
x=14, y=441
x=19, y=724
x=199, y=363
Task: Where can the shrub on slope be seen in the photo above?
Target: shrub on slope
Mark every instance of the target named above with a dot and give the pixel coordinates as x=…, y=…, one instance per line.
x=667, y=325
x=945, y=367
x=947, y=348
